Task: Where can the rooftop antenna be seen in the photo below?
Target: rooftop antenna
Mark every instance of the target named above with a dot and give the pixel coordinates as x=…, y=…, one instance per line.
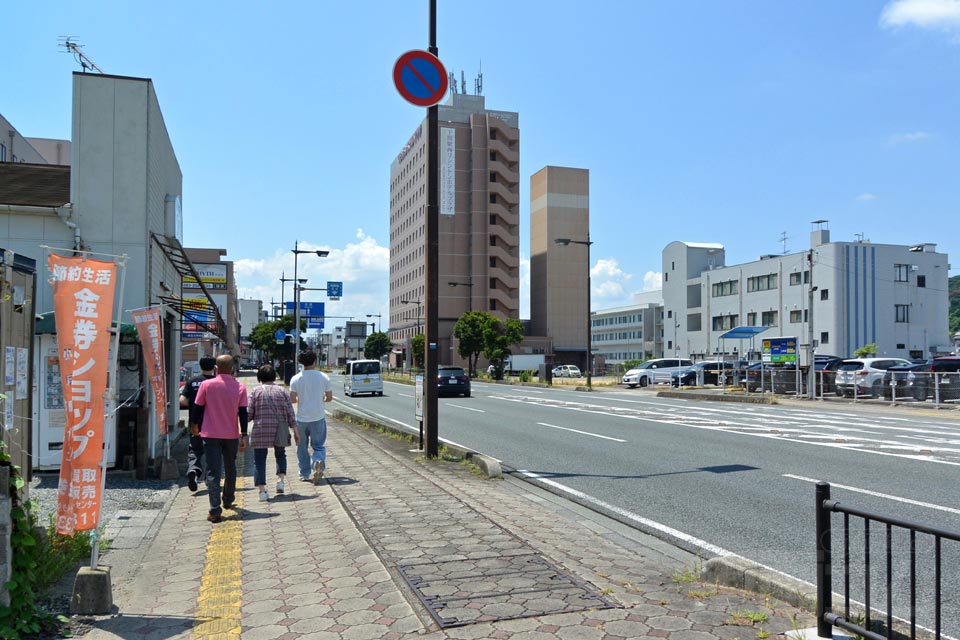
x=783, y=240
x=463, y=82
x=452, y=77
x=478, y=83
x=82, y=59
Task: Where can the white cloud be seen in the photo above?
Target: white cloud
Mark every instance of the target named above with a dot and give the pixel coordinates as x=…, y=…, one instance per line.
x=926, y=14
x=652, y=280
x=362, y=266
x=865, y=197
x=907, y=138
x=524, y=286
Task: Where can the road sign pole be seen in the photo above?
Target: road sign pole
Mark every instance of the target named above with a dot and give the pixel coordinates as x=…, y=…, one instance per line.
x=431, y=344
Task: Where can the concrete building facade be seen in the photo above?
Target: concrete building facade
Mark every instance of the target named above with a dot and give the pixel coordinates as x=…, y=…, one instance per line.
x=632, y=332
x=479, y=257
x=560, y=208
x=894, y=296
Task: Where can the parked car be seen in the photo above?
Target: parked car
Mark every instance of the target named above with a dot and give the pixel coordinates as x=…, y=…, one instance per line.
x=452, y=381
x=567, y=371
x=826, y=368
x=363, y=376
x=946, y=369
x=711, y=370
x=770, y=376
x=653, y=371
x=864, y=376
x=912, y=381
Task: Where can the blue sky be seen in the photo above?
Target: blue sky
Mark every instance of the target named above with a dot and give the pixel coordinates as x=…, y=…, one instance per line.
x=728, y=122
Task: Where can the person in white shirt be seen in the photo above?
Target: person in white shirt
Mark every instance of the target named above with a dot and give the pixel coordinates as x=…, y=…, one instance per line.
x=309, y=391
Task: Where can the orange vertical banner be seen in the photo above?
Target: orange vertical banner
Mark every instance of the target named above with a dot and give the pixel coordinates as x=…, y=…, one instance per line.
x=83, y=292
x=149, y=329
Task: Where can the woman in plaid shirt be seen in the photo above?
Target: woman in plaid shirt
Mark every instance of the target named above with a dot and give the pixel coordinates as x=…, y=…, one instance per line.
x=271, y=413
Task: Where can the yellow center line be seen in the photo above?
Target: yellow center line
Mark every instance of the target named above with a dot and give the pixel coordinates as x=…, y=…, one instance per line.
x=221, y=587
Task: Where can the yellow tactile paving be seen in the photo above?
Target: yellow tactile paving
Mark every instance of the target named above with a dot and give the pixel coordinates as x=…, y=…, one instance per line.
x=221, y=587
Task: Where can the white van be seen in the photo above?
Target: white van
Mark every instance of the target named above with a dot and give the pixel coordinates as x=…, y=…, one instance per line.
x=363, y=376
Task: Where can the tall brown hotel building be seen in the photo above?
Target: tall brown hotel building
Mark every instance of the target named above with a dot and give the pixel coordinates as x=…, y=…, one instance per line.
x=479, y=221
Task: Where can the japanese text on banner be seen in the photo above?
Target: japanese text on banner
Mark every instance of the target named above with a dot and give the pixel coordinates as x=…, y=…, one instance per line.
x=83, y=293
x=149, y=328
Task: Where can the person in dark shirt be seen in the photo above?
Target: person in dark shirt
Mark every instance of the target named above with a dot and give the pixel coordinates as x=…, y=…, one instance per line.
x=187, y=397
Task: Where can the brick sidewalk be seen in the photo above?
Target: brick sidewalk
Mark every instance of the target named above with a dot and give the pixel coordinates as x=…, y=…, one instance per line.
x=393, y=546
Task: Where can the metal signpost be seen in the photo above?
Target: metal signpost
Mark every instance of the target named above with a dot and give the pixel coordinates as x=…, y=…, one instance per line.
x=421, y=79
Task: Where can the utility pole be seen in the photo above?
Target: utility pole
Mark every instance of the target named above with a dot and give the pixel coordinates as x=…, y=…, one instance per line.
x=430, y=347
x=811, y=370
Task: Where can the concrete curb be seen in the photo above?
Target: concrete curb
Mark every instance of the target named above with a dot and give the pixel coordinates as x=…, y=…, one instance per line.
x=740, y=573
x=718, y=397
x=489, y=466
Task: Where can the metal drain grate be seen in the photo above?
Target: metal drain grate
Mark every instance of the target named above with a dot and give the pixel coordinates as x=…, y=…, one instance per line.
x=461, y=592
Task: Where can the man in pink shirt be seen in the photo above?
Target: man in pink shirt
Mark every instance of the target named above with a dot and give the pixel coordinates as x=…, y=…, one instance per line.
x=221, y=405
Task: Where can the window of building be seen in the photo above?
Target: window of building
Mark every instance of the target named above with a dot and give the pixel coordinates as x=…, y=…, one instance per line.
x=824, y=337
x=14, y=157
x=728, y=288
x=901, y=273
x=796, y=316
x=493, y=262
x=493, y=305
x=824, y=294
x=493, y=241
x=493, y=134
x=670, y=313
x=493, y=156
x=493, y=283
x=902, y=312
x=795, y=278
x=901, y=345
x=752, y=319
x=493, y=198
x=768, y=319
x=666, y=277
x=921, y=281
x=673, y=265
x=493, y=219
x=493, y=177
x=723, y=323
x=762, y=283
x=3, y=153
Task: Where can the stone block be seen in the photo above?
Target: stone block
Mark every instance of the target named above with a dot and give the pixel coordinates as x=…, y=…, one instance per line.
x=169, y=469
x=92, y=592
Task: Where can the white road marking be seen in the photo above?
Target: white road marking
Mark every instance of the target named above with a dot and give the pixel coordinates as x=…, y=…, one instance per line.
x=585, y=433
x=876, y=494
x=405, y=395
x=460, y=406
x=670, y=531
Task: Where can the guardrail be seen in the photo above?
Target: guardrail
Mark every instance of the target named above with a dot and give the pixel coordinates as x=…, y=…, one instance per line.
x=939, y=388
x=826, y=617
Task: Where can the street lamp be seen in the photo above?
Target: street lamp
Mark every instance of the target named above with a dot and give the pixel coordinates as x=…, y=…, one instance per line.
x=320, y=253
x=377, y=316
x=418, y=303
x=564, y=242
x=470, y=297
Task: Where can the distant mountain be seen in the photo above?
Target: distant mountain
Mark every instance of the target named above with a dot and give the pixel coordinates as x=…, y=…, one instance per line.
x=954, y=286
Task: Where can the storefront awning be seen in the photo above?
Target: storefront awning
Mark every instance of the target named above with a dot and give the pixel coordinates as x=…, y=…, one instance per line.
x=742, y=333
x=208, y=317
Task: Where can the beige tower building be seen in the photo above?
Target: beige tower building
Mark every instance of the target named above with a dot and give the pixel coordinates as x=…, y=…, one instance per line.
x=560, y=208
x=479, y=261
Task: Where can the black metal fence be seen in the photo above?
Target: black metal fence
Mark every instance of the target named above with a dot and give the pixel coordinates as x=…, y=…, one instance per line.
x=863, y=623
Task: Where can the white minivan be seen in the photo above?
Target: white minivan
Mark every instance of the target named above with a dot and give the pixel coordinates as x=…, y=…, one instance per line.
x=363, y=376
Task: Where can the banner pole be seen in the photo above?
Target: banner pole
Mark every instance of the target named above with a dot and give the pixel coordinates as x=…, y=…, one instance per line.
x=111, y=392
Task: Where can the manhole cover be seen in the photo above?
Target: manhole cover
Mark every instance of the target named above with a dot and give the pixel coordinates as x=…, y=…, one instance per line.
x=461, y=592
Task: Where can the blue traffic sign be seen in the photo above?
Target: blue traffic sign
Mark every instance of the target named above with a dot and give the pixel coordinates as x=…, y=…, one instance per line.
x=280, y=334
x=420, y=78
x=312, y=312
x=334, y=289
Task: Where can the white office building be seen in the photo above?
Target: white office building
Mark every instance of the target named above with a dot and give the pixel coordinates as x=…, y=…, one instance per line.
x=626, y=333
x=893, y=296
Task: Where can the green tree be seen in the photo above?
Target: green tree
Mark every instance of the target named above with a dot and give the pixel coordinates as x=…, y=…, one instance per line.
x=378, y=344
x=866, y=351
x=416, y=349
x=498, y=337
x=953, y=285
x=469, y=332
x=263, y=337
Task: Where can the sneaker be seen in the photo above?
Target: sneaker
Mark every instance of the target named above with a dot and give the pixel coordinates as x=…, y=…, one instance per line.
x=317, y=471
x=228, y=505
x=192, y=480
x=263, y=496
x=280, y=486
x=305, y=479
x=214, y=517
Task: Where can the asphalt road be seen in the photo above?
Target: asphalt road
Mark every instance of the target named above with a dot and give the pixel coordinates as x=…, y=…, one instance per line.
x=725, y=477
